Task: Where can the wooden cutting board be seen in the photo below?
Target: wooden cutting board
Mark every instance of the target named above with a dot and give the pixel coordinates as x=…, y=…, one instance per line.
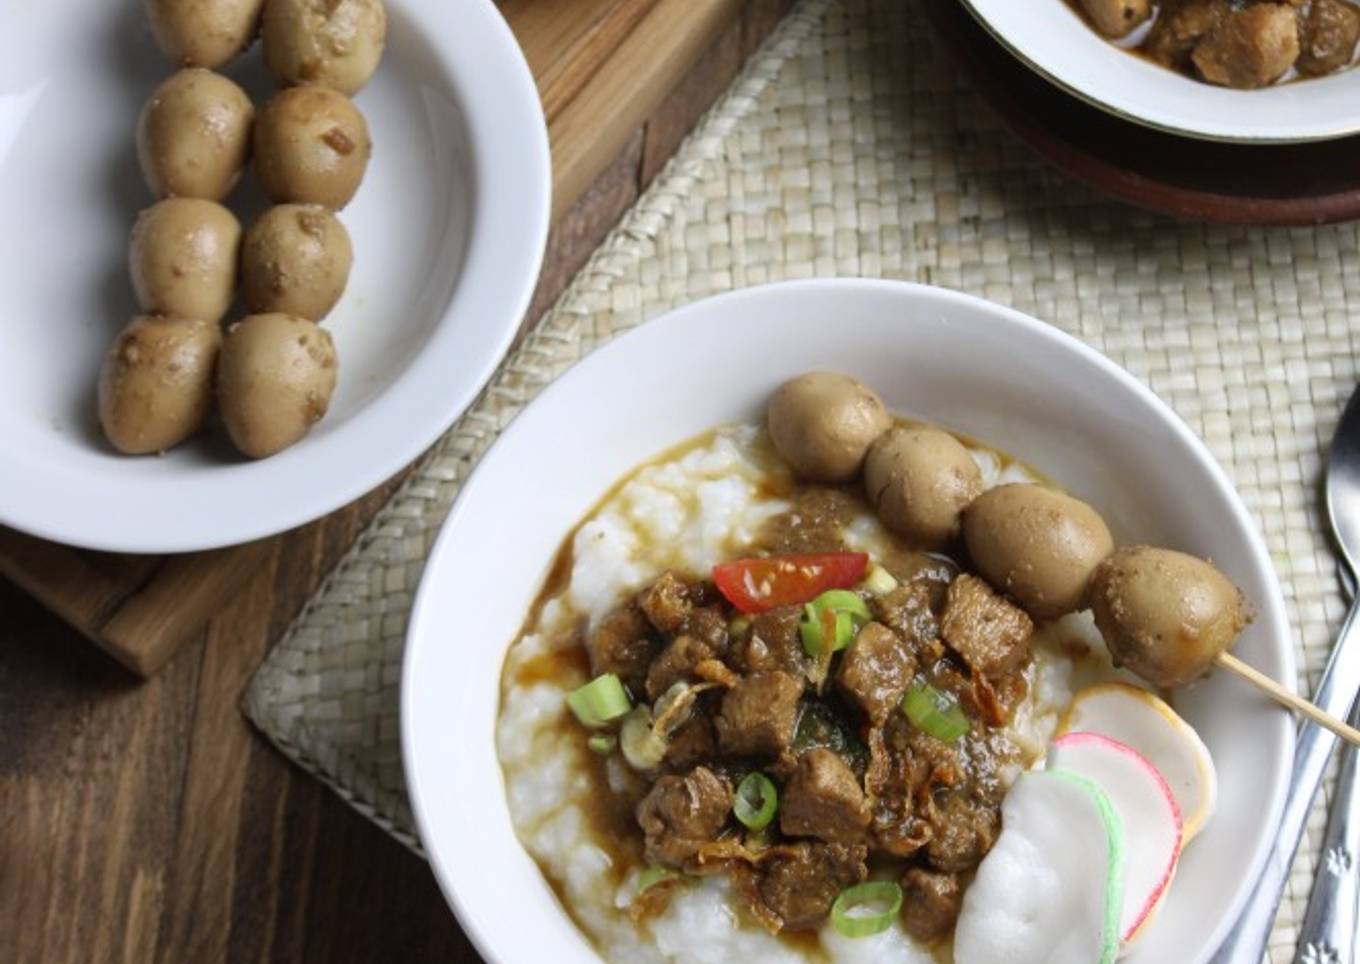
x=604, y=68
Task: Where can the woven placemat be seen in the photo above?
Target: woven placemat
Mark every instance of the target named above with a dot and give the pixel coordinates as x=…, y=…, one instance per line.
x=849, y=147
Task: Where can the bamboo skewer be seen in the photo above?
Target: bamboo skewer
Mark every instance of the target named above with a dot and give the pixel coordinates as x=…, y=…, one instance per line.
x=1281, y=695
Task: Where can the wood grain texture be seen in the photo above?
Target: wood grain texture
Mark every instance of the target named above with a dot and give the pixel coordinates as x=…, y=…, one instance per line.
x=144, y=821
x=630, y=87
x=602, y=67
x=565, y=41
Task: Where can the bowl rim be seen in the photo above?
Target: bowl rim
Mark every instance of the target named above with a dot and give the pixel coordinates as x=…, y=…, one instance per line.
x=509, y=170
x=426, y=597
x=1224, y=126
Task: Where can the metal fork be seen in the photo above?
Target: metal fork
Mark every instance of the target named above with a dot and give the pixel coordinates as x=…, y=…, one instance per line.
x=1328, y=932
x=1335, y=693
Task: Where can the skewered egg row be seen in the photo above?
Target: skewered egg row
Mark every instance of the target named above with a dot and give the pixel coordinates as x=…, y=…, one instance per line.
x=274, y=372
x=1163, y=614
x=185, y=259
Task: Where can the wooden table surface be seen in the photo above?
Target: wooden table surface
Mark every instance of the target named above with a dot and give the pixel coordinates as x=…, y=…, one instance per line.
x=145, y=821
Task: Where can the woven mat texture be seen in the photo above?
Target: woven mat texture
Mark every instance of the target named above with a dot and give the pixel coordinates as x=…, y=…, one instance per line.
x=850, y=147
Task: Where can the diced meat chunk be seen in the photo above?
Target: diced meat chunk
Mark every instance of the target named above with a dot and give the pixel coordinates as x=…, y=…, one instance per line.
x=931, y=763
x=939, y=798
x=1116, y=18
x=815, y=523
x=876, y=670
x=681, y=814
x=716, y=671
x=987, y=699
x=800, y=883
x=676, y=663
x=1180, y=26
x=902, y=761
x=823, y=799
x=962, y=833
x=912, y=567
x=694, y=742
x=930, y=903
x=623, y=644
x=707, y=623
x=907, y=611
x=990, y=699
x=1327, y=37
x=896, y=829
x=990, y=634
x=948, y=676
x=1249, y=47
x=759, y=714
x=972, y=690
x=666, y=603
x=772, y=642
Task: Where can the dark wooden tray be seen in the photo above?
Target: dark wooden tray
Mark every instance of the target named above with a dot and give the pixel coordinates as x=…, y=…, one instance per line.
x=1292, y=184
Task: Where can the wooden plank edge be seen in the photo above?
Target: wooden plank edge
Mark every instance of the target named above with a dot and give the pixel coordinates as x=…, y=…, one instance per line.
x=140, y=622
x=176, y=607
x=565, y=41
x=628, y=88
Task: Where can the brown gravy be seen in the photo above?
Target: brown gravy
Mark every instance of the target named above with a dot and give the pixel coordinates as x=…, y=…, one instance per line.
x=610, y=816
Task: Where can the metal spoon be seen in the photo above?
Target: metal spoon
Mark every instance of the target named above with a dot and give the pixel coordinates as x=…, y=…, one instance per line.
x=1328, y=932
x=1335, y=693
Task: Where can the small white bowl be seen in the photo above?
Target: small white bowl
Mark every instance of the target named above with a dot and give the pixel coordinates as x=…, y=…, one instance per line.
x=974, y=367
x=448, y=229
x=1052, y=39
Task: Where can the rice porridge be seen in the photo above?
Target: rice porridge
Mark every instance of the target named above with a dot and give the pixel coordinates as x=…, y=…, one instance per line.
x=573, y=808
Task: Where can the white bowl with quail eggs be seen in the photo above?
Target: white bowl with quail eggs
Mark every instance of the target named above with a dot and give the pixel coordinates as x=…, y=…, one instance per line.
x=259, y=255
x=680, y=478
x=1259, y=72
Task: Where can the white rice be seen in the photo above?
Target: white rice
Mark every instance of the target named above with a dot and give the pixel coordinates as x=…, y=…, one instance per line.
x=686, y=514
x=689, y=513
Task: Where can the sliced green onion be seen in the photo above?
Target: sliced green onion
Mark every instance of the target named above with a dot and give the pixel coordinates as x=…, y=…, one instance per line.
x=880, y=581
x=738, y=626
x=843, y=601
x=756, y=801
x=602, y=744
x=866, y=909
x=652, y=876
x=599, y=701
x=837, y=611
x=813, y=629
x=938, y=714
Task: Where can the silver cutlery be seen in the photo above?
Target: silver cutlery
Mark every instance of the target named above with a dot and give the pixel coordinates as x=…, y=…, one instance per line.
x=1335, y=693
x=1328, y=932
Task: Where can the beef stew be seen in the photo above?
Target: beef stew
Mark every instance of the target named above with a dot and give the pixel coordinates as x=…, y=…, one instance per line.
x=1243, y=44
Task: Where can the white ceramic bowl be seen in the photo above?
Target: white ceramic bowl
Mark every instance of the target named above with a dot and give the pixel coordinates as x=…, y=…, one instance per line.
x=1052, y=38
x=968, y=364
x=448, y=232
